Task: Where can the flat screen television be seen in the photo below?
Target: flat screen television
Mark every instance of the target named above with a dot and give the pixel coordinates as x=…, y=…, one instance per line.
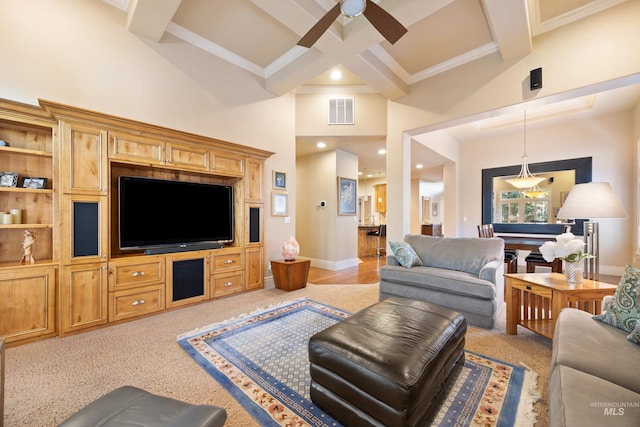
x=158, y=213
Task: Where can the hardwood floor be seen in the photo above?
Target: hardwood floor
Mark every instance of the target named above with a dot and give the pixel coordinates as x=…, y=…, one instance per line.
x=368, y=271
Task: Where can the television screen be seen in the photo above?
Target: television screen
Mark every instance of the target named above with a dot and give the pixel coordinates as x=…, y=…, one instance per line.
x=155, y=213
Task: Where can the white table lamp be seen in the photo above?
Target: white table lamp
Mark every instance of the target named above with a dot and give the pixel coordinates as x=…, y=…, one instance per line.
x=588, y=201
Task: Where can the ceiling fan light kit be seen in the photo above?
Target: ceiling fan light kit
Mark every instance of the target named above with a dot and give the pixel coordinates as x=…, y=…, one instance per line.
x=390, y=28
x=352, y=8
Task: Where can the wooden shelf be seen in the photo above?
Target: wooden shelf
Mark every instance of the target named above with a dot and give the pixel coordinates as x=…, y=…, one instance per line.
x=27, y=190
x=16, y=264
x=26, y=151
x=21, y=226
x=544, y=327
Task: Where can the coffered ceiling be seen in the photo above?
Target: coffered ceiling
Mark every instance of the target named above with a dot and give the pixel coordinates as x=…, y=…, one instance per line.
x=259, y=37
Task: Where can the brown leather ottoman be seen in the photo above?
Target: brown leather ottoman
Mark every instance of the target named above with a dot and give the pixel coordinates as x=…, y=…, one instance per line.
x=387, y=365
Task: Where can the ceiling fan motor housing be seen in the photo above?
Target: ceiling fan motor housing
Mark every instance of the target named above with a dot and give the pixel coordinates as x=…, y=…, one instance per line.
x=352, y=8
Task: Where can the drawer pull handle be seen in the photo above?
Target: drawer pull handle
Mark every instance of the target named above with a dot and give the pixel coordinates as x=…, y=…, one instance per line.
x=138, y=273
x=228, y=261
x=227, y=284
x=528, y=287
x=138, y=302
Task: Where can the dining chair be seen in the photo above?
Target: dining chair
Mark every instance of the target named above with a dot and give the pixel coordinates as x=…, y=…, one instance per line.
x=535, y=259
x=510, y=255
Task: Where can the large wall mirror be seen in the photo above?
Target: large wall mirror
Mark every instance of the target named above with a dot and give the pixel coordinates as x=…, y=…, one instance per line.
x=511, y=210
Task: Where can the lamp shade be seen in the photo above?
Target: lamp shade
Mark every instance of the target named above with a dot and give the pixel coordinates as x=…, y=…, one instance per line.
x=591, y=200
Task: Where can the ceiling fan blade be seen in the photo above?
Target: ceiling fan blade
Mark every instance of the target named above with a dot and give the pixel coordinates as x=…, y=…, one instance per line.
x=386, y=24
x=320, y=27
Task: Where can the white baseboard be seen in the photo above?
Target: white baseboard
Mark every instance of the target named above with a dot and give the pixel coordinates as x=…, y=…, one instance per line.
x=334, y=265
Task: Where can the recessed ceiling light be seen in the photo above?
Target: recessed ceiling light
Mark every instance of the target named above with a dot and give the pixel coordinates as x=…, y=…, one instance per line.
x=359, y=173
x=382, y=151
x=419, y=166
x=321, y=144
x=336, y=75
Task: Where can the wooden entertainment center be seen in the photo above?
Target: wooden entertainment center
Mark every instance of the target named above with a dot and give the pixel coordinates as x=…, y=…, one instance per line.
x=81, y=280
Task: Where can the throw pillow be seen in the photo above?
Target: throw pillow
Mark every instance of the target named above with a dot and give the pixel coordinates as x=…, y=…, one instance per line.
x=624, y=310
x=405, y=254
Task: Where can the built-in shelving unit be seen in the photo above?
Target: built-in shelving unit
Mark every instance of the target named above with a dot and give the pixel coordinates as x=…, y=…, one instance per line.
x=81, y=280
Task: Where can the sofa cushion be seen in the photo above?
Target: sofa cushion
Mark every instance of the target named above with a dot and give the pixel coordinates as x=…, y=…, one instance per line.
x=405, y=254
x=623, y=311
x=581, y=399
x=595, y=348
x=463, y=254
x=451, y=281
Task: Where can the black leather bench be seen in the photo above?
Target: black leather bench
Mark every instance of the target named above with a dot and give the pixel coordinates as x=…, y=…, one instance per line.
x=387, y=365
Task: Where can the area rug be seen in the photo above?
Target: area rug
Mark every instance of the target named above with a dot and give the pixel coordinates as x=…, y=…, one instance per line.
x=262, y=360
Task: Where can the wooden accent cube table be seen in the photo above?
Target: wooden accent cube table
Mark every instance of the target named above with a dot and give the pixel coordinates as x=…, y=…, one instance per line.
x=290, y=275
x=534, y=300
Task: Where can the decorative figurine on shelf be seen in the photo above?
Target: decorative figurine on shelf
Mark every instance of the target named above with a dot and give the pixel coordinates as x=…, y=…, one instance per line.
x=290, y=249
x=29, y=240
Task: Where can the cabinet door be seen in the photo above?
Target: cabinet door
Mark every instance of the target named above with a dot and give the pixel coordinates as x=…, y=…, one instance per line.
x=27, y=303
x=84, y=229
x=187, y=278
x=381, y=198
x=254, y=181
x=83, y=167
x=135, y=149
x=254, y=274
x=227, y=164
x=186, y=157
x=83, y=299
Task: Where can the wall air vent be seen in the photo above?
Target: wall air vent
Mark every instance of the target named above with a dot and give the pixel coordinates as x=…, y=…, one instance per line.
x=341, y=111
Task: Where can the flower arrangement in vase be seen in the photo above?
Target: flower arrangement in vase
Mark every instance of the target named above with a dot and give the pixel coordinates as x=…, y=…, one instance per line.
x=568, y=248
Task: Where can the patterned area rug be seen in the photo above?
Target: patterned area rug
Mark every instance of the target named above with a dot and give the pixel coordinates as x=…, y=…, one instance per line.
x=262, y=360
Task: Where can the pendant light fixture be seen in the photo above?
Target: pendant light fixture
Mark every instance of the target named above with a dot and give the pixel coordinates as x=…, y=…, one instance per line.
x=535, y=192
x=525, y=178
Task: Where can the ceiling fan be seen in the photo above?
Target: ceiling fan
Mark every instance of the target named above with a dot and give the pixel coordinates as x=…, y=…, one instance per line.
x=386, y=24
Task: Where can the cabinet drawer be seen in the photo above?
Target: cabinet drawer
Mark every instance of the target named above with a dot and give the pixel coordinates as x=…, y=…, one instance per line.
x=542, y=291
x=226, y=262
x=134, y=302
x=130, y=273
x=226, y=284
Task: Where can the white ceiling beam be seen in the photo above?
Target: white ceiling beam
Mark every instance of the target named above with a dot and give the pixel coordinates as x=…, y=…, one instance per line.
x=509, y=23
x=150, y=18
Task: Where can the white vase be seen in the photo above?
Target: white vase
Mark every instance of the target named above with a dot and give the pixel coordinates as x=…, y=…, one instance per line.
x=573, y=271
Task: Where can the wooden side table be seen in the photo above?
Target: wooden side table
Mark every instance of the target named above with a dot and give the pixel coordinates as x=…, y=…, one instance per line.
x=534, y=300
x=290, y=275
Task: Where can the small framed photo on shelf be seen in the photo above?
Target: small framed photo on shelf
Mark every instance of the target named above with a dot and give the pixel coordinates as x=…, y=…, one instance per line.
x=279, y=180
x=8, y=179
x=36, y=183
x=279, y=203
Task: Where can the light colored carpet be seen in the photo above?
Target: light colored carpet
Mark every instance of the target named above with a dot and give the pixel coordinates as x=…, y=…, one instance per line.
x=48, y=380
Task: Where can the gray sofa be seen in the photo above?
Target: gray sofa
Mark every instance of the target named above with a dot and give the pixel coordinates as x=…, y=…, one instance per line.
x=463, y=274
x=595, y=374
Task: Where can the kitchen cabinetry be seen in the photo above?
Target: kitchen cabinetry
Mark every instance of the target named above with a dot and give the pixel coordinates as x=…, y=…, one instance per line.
x=380, y=201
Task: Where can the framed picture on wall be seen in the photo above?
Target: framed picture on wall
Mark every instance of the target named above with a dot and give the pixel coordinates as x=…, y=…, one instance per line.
x=279, y=180
x=279, y=203
x=434, y=209
x=347, y=196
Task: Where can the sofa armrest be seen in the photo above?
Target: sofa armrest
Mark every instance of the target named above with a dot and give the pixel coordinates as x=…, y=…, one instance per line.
x=492, y=271
x=391, y=260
